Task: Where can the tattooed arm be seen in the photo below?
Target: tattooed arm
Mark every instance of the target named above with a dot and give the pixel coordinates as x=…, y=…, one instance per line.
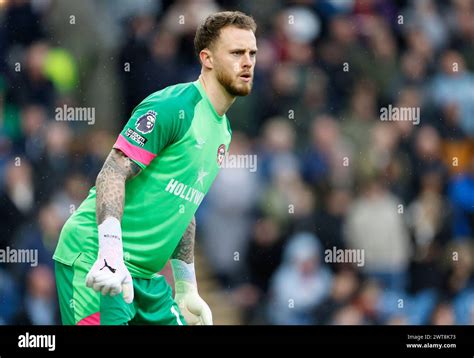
x=110, y=188
x=110, y=185
x=185, y=249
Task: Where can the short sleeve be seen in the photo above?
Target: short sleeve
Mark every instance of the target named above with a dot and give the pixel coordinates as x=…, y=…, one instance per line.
x=148, y=131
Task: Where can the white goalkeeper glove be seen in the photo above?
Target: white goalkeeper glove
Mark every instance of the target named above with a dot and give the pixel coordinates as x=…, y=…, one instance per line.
x=109, y=274
x=193, y=308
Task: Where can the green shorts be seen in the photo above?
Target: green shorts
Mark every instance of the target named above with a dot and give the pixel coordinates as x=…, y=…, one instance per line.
x=81, y=305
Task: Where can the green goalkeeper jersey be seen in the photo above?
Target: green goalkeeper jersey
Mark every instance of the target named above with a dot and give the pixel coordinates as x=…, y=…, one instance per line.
x=179, y=140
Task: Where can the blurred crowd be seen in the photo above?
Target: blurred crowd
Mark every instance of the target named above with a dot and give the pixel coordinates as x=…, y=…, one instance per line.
x=331, y=174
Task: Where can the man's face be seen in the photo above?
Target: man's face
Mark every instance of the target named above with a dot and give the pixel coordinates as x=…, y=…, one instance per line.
x=234, y=57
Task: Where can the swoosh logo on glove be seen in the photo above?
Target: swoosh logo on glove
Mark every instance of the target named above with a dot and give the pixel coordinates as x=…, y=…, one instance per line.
x=106, y=265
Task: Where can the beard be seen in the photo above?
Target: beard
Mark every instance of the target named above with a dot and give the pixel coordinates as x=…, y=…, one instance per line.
x=232, y=84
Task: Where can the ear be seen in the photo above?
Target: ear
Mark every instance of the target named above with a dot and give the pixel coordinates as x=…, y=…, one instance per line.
x=206, y=58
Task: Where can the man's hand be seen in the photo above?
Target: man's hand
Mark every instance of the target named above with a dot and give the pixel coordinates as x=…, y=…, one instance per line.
x=193, y=308
x=109, y=274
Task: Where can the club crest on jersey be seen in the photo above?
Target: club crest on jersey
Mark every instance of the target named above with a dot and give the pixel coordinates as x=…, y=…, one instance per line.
x=146, y=123
x=220, y=154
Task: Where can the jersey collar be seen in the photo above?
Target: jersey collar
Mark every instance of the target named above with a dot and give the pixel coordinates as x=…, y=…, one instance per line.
x=203, y=93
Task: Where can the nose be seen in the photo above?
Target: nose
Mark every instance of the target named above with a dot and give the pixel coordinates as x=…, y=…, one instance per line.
x=247, y=61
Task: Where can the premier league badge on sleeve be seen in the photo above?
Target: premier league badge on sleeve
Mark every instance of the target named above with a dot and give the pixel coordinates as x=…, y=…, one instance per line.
x=146, y=123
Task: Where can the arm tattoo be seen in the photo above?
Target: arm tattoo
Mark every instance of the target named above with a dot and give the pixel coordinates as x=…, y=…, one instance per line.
x=185, y=249
x=110, y=185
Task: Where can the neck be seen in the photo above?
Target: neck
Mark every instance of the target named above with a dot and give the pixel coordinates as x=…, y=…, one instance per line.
x=220, y=99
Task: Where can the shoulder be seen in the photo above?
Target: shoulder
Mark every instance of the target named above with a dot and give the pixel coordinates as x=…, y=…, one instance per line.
x=173, y=107
x=175, y=99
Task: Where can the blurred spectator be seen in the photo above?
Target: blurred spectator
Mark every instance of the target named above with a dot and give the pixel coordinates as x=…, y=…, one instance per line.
x=9, y=297
x=333, y=53
x=427, y=156
x=418, y=43
x=460, y=264
x=313, y=102
x=16, y=199
x=283, y=95
x=361, y=114
x=461, y=194
x=91, y=150
x=400, y=164
x=460, y=19
x=55, y=161
x=464, y=307
x=425, y=16
x=193, y=12
x=374, y=224
x=457, y=146
x=22, y=23
x=328, y=158
x=30, y=84
x=329, y=220
x=33, y=122
x=380, y=155
x=429, y=220
x=300, y=284
x=264, y=254
x=367, y=302
x=135, y=52
x=379, y=64
x=68, y=199
x=182, y=19
x=277, y=148
x=454, y=84
x=40, y=299
x=348, y=315
x=443, y=315
x=343, y=290
x=152, y=62
x=286, y=198
x=60, y=67
x=41, y=236
x=413, y=73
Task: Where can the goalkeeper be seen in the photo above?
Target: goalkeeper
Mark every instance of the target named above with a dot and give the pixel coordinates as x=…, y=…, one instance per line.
x=141, y=212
